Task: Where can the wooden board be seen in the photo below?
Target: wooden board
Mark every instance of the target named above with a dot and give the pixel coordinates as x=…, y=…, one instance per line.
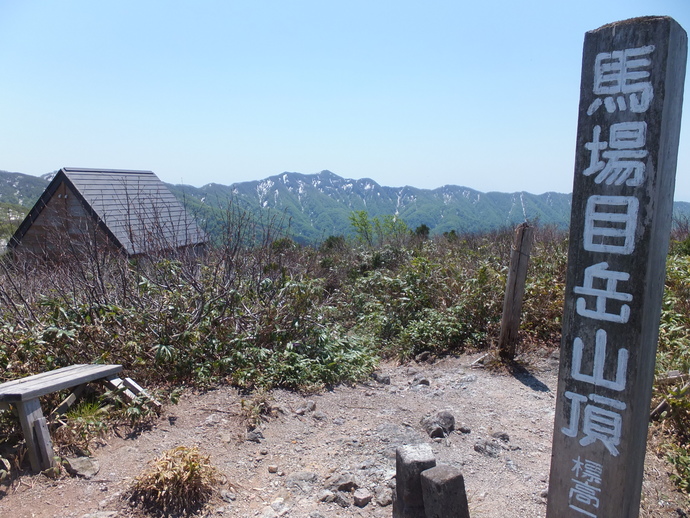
x=627, y=143
x=31, y=387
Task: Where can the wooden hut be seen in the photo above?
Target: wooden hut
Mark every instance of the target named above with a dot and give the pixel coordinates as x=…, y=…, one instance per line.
x=132, y=212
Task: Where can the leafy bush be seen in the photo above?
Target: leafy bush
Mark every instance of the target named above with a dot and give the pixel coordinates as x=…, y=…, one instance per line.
x=542, y=309
x=674, y=354
x=279, y=314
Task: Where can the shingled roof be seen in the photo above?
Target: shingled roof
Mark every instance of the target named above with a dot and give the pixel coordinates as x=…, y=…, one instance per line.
x=134, y=209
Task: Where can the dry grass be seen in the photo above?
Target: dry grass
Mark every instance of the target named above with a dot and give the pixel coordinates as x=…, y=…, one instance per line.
x=180, y=481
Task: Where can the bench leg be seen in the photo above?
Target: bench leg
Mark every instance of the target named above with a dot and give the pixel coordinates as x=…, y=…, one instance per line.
x=131, y=389
x=134, y=387
x=45, y=445
x=30, y=412
x=68, y=402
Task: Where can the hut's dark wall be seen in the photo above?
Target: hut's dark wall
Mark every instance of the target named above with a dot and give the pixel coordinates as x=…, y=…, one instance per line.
x=62, y=226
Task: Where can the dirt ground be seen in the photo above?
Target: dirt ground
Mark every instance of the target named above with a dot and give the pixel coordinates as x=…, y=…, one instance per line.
x=314, y=443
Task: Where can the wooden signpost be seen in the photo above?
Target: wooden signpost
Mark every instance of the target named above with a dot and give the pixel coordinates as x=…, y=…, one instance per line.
x=515, y=291
x=627, y=141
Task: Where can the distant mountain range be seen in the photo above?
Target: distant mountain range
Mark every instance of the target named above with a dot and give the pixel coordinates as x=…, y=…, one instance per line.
x=319, y=205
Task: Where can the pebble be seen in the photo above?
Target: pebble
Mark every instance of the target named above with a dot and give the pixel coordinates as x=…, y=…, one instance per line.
x=384, y=379
x=227, y=496
x=309, y=406
x=384, y=496
x=502, y=436
x=254, y=436
x=487, y=448
x=326, y=496
x=361, y=497
x=343, y=499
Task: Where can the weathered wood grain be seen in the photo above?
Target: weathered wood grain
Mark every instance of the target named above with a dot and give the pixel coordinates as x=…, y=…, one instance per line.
x=31, y=387
x=627, y=141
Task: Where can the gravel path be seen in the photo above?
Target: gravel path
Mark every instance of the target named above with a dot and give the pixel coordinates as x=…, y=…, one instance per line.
x=312, y=445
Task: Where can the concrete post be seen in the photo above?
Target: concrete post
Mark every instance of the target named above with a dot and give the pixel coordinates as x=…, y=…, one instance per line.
x=443, y=489
x=410, y=461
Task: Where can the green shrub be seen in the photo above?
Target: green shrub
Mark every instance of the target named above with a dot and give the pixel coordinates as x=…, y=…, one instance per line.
x=281, y=314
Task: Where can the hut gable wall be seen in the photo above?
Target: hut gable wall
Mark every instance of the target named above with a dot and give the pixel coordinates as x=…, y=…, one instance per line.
x=61, y=226
x=132, y=211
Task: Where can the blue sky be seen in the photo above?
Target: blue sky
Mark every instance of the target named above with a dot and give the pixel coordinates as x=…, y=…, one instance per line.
x=482, y=94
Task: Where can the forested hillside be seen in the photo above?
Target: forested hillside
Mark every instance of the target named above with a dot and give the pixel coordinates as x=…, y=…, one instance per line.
x=312, y=207
x=320, y=205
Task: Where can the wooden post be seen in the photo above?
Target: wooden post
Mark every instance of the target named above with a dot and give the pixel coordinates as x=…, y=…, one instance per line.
x=515, y=291
x=45, y=445
x=627, y=141
x=29, y=412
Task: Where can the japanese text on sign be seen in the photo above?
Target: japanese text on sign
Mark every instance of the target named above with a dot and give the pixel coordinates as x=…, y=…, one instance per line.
x=616, y=159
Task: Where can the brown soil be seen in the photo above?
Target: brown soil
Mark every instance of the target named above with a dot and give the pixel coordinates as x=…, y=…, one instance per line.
x=352, y=431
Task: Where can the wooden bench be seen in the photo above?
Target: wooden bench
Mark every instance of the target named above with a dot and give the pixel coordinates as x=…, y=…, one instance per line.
x=24, y=393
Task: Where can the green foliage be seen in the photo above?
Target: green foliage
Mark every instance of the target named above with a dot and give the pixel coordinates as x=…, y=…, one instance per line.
x=422, y=231
x=391, y=229
x=362, y=226
x=87, y=420
x=277, y=314
x=266, y=312
x=674, y=354
x=440, y=331
x=379, y=231
x=435, y=297
x=677, y=426
x=542, y=308
x=674, y=338
x=682, y=247
x=10, y=218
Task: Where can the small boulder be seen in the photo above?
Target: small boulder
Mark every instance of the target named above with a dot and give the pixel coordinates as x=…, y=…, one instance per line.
x=501, y=436
x=384, y=379
x=343, y=482
x=440, y=424
x=227, y=496
x=384, y=496
x=254, y=436
x=488, y=448
x=343, y=499
x=86, y=467
x=420, y=379
x=308, y=406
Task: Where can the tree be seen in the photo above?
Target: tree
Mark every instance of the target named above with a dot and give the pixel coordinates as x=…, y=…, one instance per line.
x=362, y=226
x=422, y=231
